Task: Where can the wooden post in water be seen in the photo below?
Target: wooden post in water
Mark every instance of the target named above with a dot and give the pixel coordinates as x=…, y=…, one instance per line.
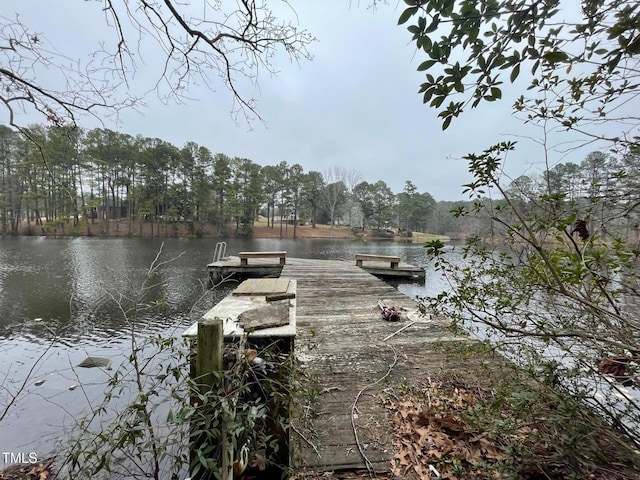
x=208, y=360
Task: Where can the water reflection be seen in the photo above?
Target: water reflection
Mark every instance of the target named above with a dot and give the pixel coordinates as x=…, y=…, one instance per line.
x=97, y=267
x=66, y=299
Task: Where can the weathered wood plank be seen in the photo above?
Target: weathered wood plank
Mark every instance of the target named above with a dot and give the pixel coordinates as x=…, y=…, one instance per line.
x=262, y=286
x=393, y=261
x=337, y=310
x=267, y=316
x=232, y=307
x=245, y=256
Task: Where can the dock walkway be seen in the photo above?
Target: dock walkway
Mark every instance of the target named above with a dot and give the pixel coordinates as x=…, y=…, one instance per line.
x=262, y=264
x=341, y=343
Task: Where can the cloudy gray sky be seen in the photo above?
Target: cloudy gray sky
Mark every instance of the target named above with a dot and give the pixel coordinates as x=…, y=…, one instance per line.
x=355, y=105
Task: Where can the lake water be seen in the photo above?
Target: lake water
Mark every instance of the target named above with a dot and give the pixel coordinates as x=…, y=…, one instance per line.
x=60, y=297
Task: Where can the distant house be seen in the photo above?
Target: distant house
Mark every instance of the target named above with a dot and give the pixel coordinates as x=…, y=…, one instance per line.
x=113, y=210
x=289, y=220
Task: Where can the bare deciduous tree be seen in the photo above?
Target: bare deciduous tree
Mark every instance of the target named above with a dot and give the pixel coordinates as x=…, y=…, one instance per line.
x=183, y=44
x=333, y=194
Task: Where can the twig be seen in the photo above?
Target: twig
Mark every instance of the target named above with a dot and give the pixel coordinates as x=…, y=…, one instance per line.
x=367, y=462
x=82, y=389
x=398, y=331
x=307, y=441
x=25, y=382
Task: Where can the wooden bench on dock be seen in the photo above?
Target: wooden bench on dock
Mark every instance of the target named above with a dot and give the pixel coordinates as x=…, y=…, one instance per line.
x=245, y=256
x=394, y=261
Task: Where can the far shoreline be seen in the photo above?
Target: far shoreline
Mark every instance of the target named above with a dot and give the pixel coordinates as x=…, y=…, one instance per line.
x=260, y=230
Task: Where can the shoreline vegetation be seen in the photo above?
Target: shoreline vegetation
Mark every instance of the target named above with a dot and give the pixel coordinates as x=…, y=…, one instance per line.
x=440, y=420
x=148, y=229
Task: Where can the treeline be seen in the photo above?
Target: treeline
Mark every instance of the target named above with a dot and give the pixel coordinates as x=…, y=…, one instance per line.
x=599, y=195
x=57, y=177
x=80, y=181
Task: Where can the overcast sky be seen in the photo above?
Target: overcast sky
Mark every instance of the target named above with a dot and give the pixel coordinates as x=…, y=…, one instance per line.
x=355, y=105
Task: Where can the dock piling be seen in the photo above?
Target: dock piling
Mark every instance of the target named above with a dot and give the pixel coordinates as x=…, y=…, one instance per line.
x=209, y=360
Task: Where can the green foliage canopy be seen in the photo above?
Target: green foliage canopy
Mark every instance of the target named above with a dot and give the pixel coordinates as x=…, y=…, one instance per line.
x=579, y=58
x=553, y=285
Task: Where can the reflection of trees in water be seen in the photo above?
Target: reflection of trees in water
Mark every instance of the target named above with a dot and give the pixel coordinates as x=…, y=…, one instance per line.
x=70, y=284
x=97, y=267
x=73, y=282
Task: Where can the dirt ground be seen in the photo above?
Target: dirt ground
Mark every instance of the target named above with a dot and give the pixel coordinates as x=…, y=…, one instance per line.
x=147, y=229
x=38, y=471
x=123, y=228
x=260, y=230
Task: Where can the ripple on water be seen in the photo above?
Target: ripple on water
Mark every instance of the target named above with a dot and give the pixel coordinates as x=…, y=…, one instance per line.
x=81, y=291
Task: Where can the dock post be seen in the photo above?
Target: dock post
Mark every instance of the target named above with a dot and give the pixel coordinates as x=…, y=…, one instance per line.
x=209, y=352
x=208, y=360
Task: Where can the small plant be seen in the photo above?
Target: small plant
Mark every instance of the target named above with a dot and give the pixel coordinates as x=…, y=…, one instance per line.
x=156, y=421
x=246, y=414
x=133, y=431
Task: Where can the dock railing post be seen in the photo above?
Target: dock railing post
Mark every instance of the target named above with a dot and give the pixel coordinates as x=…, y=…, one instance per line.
x=209, y=360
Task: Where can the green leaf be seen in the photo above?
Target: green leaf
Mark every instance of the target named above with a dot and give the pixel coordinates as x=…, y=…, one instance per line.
x=496, y=92
x=514, y=73
x=434, y=247
x=434, y=24
x=436, y=102
x=535, y=67
x=426, y=65
x=407, y=14
x=556, y=56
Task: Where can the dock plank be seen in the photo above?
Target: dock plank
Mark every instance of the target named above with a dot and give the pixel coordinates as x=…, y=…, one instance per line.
x=262, y=286
x=337, y=312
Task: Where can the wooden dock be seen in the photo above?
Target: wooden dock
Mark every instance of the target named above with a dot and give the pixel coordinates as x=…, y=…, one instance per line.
x=349, y=359
x=404, y=271
x=234, y=267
